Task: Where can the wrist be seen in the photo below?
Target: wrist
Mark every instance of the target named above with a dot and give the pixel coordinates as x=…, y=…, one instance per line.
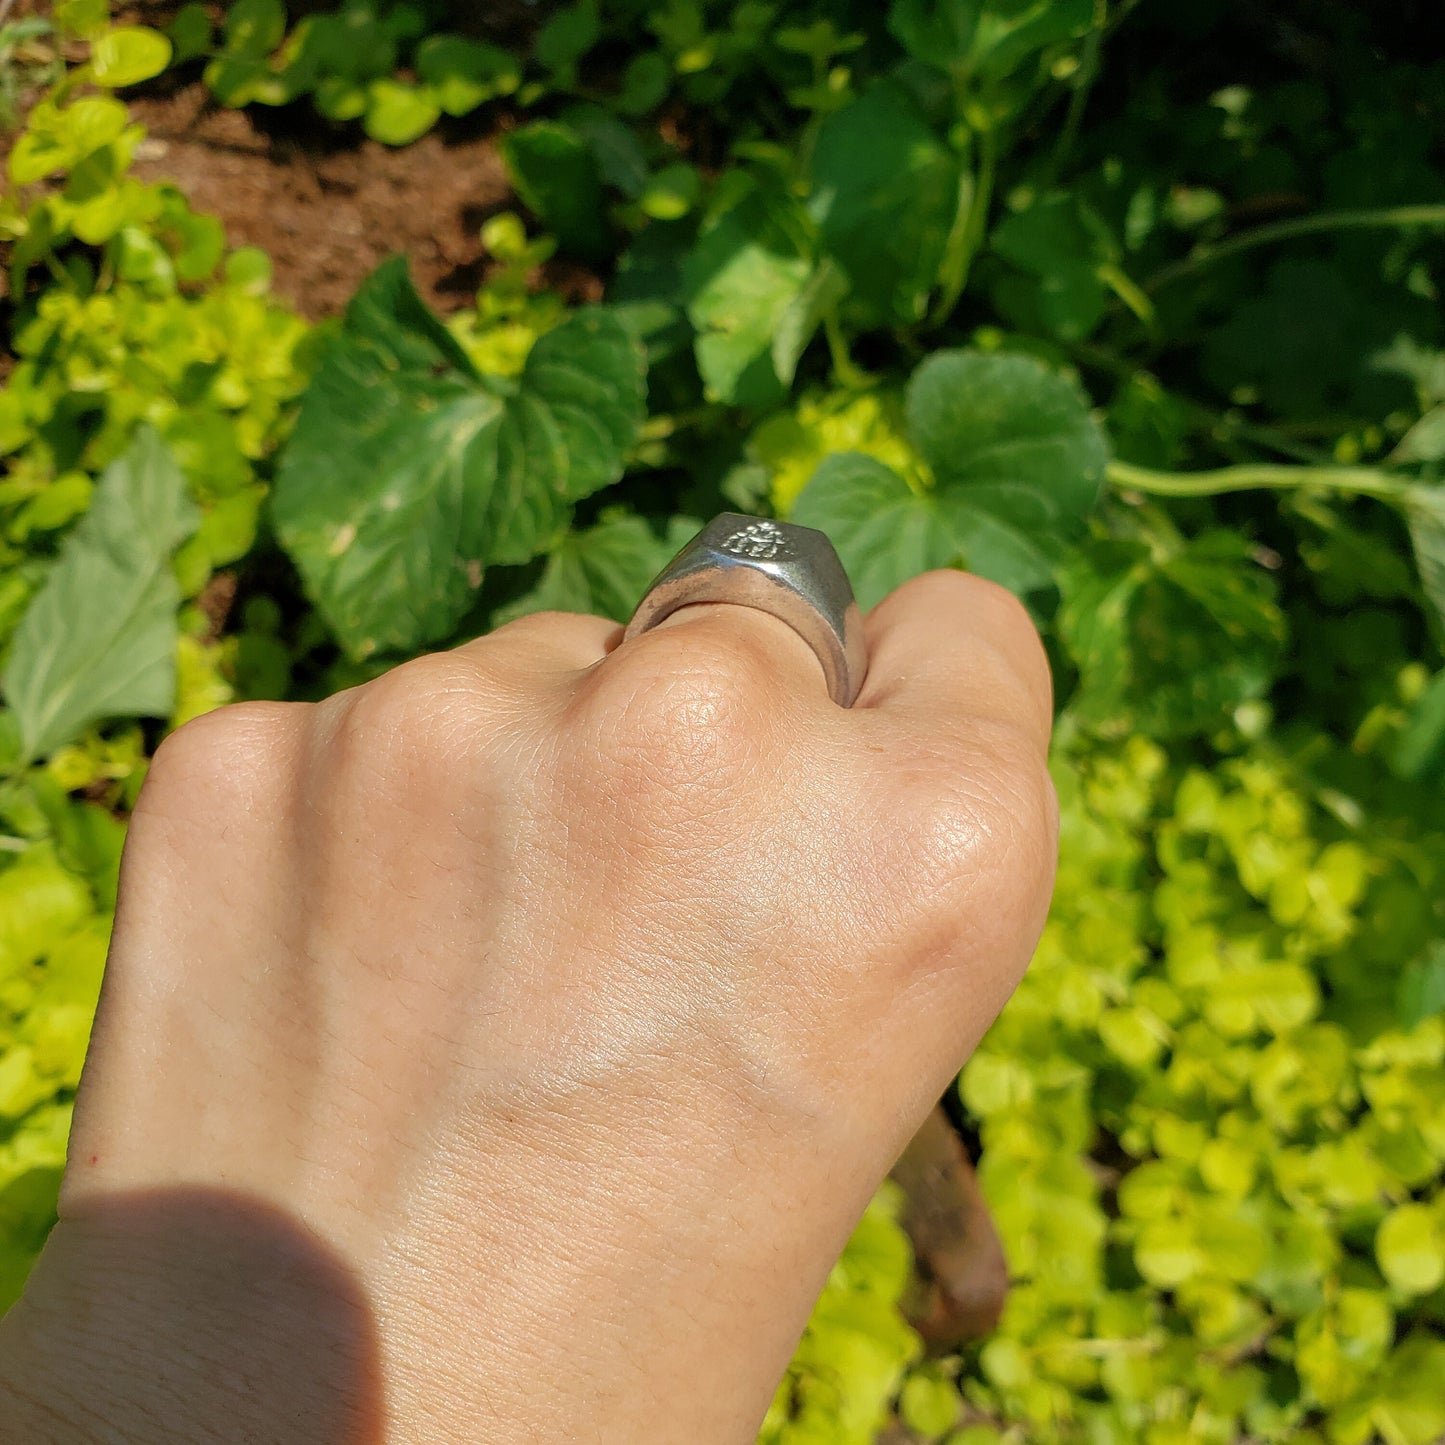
x=189, y=1316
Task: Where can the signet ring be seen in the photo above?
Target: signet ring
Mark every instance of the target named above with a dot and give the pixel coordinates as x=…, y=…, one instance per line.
x=790, y=572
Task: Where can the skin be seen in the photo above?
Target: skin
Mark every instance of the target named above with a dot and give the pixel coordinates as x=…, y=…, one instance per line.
x=504, y=1050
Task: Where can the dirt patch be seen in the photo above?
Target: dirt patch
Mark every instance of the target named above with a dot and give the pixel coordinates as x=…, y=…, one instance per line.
x=329, y=209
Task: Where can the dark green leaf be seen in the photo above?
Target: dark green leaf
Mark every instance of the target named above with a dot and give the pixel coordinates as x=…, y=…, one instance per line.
x=1425, y=513
x=1168, y=643
x=1422, y=988
x=566, y=38
x=99, y=639
x=742, y=279
x=1018, y=455
x=987, y=38
x=1420, y=751
x=604, y=570
x=884, y=531
x=1049, y=243
x=557, y=175
x=885, y=192
x=408, y=474
x=464, y=74
x=190, y=32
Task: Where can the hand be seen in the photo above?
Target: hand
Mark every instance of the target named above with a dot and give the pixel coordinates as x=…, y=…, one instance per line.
x=503, y=1050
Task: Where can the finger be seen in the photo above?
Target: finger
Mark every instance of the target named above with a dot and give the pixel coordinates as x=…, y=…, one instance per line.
x=544, y=643
x=773, y=654
x=948, y=643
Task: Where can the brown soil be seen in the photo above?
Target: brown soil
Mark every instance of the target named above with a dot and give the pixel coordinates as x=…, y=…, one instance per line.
x=327, y=209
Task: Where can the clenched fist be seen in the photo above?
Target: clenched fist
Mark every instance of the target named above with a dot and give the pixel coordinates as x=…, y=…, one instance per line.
x=503, y=1050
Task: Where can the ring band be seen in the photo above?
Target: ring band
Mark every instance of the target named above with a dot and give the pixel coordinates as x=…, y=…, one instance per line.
x=790, y=572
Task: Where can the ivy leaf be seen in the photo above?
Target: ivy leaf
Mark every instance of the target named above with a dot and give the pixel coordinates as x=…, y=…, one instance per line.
x=1014, y=446
x=605, y=570
x=99, y=638
x=745, y=280
x=1168, y=644
x=884, y=531
x=885, y=191
x=556, y=174
x=408, y=473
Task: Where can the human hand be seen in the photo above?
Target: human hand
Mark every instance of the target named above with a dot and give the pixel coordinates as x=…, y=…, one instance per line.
x=504, y=1049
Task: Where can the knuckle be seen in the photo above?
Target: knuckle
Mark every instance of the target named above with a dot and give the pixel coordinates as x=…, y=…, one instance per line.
x=685, y=712
x=221, y=758
x=411, y=724
x=979, y=827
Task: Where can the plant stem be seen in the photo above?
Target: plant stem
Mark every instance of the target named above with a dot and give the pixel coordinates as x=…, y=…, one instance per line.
x=1387, y=218
x=1363, y=481
x=1088, y=73
x=963, y=243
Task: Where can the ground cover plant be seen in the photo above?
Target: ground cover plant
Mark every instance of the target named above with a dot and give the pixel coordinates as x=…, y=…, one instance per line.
x=1134, y=308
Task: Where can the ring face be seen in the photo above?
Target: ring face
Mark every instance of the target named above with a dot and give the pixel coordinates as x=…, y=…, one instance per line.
x=791, y=572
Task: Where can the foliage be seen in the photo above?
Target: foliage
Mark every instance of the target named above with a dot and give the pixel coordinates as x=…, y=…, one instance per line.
x=968, y=283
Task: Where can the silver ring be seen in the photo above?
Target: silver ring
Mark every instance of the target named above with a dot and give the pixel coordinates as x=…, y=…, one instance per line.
x=791, y=572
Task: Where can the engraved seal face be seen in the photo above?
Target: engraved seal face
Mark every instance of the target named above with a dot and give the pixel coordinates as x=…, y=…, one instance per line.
x=759, y=542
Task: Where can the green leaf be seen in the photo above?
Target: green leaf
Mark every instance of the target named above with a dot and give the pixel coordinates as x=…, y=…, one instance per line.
x=408, y=473
x=556, y=174
x=128, y=55
x=1168, y=643
x=99, y=639
x=1420, y=751
x=190, y=32
x=985, y=38
x=397, y=113
x=1060, y=291
x=84, y=19
x=1016, y=450
x=464, y=74
x=1425, y=514
x=671, y=192
x=1421, y=993
x=56, y=139
x=885, y=192
x=255, y=27
x=1410, y=1249
x=884, y=531
x=605, y=570
x=645, y=84
x=1424, y=442
x=743, y=280
x=566, y=38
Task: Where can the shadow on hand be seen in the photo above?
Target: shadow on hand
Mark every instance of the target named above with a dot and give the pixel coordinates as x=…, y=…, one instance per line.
x=195, y=1316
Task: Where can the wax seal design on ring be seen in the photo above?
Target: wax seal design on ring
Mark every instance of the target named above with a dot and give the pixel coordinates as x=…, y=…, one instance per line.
x=762, y=541
x=789, y=571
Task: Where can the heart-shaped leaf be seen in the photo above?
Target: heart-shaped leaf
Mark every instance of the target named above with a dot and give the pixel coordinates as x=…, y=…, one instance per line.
x=1014, y=447
x=99, y=638
x=408, y=473
x=1018, y=464
x=885, y=532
